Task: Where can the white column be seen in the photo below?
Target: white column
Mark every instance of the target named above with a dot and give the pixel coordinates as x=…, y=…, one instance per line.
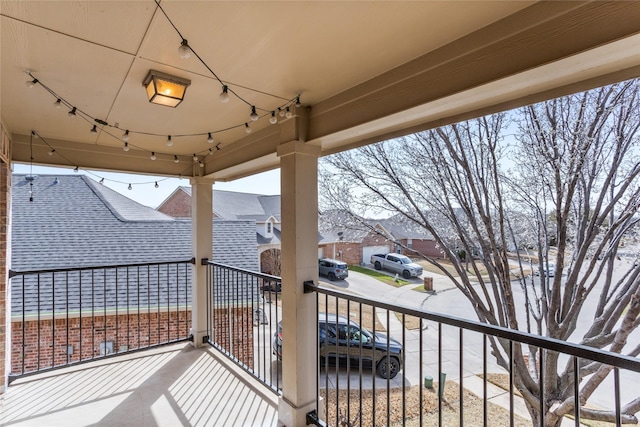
x=201, y=248
x=299, y=198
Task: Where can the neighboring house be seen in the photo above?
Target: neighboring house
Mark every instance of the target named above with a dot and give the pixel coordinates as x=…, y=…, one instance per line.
x=75, y=222
x=355, y=245
x=230, y=205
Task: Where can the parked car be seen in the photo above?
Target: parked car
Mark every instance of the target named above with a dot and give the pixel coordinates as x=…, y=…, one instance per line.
x=342, y=340
x=549, y=270
x=333, y=269
x=396, y=263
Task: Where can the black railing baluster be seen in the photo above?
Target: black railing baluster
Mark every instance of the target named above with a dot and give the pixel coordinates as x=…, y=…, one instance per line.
x=440, y=384
x=461, y=387
x=616, y=390
x=541, y=379
x=511, y=393
x=484, y=380
x=576, y=391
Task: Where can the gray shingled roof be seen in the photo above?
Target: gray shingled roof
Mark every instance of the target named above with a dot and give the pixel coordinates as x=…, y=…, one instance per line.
x=80, y=223
x=235, y=205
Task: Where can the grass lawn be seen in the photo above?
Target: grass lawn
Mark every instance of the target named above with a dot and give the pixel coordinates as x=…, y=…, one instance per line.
x=380, y=276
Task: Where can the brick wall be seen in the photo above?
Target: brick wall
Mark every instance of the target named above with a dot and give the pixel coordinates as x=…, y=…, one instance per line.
x=349, y=252
x=177, y=206
x=5, y=209
x=426, y=247
x=141, y=331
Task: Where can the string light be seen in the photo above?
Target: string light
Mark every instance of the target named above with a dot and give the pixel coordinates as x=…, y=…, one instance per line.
x=210, y=139
x=76, y=169
x=56, y=181
x=175, y=159
x=94, y=129
x=125, y=136
x=52, y=151
x=130, y=187
x=58, y=103
x=288, y=114
x=184, y=50
x=224, y=95
x=102, y=181
x=195, y=158
x=253, y=116
x=126, y=146
x=34, y=134
x=218, y=146
x=210, y=152
x=156, y=185
x=201, y=164
x=31, y=83
x=153, y=155
x=247, y=129
x=280, y=112
x=169, y=141
x=72, y=113
x=273, y=119
x=298, y=104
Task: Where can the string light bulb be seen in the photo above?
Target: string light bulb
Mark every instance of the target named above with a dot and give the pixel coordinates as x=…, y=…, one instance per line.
x=153, y=155
x=253, y=116
x=201, y=164
x=52, y=151
x=156, y=185
x=298, y=104
x=224, y=95
x=247, y=128
x=76, y=169
x=72, y=113
x=58, y=103
x=288, y=114
x=31, y=83
x=94, y=129
x=125, y=136
x=195, y=157
x=169, y=141
x=273, y=119
x=101, y=180
x=184, y=50
x=126, y=146
x=130, y=187
x=280, y=112
x=175, y=159
x=210, y=152
x=34, y=134
x=210, y=139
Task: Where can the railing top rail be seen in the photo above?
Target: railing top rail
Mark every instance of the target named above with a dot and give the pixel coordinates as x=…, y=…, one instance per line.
x=13, y=273
x=591, y=353
x=242, y=270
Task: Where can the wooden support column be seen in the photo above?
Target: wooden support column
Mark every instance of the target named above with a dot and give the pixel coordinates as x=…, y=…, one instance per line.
x=201, y=248
x=299, y=209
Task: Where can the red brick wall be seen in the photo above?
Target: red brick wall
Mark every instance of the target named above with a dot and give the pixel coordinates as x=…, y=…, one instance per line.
x=236, y=322
x=5, y=209
x=426, y=247
x=351, y=252
x=178, y=205
x=142, y=331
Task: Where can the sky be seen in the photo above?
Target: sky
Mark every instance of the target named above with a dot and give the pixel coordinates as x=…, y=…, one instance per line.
x=143, y=188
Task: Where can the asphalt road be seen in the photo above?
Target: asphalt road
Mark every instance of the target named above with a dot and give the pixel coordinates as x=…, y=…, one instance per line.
x=452, y=302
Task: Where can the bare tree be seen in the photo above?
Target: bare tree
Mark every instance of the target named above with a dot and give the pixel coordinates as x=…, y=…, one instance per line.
x=566, y=186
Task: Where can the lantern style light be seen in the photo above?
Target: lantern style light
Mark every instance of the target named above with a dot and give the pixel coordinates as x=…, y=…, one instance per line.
x=164, y=89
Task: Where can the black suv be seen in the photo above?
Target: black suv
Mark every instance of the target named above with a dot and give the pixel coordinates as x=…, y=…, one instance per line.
x=351, y=342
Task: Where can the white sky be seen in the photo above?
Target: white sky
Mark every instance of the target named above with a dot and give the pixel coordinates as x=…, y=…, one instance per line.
x=143, y=186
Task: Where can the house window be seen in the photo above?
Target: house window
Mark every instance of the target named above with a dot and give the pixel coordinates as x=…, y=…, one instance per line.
x=410, y=243
x=269, y=228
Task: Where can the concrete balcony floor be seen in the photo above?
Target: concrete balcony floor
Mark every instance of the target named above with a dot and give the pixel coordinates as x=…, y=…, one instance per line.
x=176, y=385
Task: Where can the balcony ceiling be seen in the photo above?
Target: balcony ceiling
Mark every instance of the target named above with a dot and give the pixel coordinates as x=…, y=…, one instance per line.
x=365, y=71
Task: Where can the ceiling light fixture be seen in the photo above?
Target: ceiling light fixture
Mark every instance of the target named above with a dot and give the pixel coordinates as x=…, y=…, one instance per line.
x=164, y=89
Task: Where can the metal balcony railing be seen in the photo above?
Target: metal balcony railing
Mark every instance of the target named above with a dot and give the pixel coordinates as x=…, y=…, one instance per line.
x=441, y=359
x=68, y=316
x=243, y=311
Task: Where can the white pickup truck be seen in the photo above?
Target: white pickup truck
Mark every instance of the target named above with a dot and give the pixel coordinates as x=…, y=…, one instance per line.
x=397, y=263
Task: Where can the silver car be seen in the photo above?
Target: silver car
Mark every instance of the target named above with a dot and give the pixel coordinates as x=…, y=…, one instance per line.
x=333, y=269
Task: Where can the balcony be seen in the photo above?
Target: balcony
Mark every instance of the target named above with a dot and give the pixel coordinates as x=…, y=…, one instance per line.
x=236, y=379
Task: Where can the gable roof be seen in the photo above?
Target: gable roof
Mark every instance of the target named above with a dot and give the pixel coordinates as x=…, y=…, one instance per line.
x=78, y=222
x=236, y=205
x=74, y=222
